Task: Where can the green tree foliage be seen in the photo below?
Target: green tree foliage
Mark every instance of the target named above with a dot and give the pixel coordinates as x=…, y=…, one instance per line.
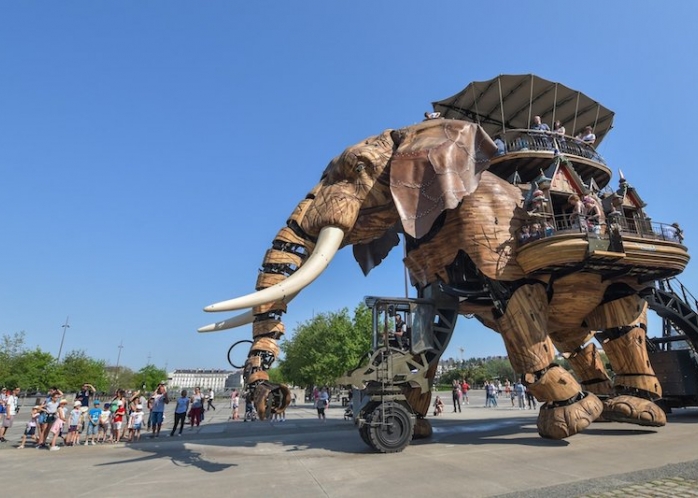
x=78, y=368
x=33, y=371
x=149, y=376
x=326, y=346
x=11, y=346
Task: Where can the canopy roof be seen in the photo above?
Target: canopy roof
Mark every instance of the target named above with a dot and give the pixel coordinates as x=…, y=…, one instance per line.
x=510, y=101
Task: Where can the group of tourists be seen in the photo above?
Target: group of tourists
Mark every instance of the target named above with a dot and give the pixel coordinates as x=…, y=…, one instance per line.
x=53, y=424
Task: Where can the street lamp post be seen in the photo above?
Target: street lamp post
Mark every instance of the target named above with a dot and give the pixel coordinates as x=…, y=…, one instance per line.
x=60, y=349
x=118, y=357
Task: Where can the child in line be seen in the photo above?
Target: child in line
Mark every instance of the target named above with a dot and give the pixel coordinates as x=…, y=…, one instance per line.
x=104, y=434
x=118, y=420
x=57, y=426
x=93, y=423
x=31, y=426
x=73, y=423
x=135, y=423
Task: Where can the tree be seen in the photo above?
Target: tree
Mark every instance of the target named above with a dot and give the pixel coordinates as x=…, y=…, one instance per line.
x=11, y=347
x=326, y=346
x=149, y=376
x=34, y=371
x=76, y=368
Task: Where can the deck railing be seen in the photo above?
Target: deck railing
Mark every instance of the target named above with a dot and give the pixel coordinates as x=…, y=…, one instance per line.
x=521, y=140
x=561, y=224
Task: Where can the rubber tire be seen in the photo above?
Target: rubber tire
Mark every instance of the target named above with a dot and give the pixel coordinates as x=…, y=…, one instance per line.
x=394, y=428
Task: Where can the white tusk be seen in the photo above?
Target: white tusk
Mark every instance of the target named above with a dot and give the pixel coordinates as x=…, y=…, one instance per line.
x=230, y=323
x=236, y=321
x=328, y=243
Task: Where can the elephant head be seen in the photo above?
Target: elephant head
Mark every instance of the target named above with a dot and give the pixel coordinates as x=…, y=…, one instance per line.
x=398, y=181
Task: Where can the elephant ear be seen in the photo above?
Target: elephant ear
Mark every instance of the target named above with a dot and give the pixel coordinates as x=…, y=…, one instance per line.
x=435, y=165
x=373, y=253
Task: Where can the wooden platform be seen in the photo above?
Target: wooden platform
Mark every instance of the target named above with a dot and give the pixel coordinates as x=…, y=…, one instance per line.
x=642, y=258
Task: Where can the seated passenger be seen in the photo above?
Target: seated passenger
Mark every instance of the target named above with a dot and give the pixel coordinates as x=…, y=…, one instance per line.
x=548, y=229
x=501, y=146
x=536, y=232
x=524, y=234
x=398, y=338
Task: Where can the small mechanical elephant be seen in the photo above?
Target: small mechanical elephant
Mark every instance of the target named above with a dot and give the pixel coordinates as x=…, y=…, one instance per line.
x=430, y=183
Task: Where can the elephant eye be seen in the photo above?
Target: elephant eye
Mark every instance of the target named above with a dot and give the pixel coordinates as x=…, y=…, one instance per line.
x=359, y=167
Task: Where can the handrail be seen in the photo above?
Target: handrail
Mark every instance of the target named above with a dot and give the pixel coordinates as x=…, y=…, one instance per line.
x=521, y=140
x=549, y=226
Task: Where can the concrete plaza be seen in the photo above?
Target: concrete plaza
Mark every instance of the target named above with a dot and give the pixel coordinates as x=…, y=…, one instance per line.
x=480, y=452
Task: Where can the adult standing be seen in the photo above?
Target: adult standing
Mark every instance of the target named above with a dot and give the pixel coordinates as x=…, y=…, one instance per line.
x=180, y=413
x=456, y=393
x=83, y=396
x=235, y=405
x=197, y=407
x=3, y=401
x=11, y=409
x=157, y=403
x=465, y=387
x=520, y=394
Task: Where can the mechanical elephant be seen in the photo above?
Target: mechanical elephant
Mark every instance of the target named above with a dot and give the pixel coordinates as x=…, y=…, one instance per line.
x=430, y=182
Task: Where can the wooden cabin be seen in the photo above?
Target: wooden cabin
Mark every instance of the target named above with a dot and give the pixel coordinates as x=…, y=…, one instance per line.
x=557, y=168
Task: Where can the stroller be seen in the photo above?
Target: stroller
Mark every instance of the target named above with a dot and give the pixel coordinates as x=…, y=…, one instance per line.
x=348, y=413
x=250, y=411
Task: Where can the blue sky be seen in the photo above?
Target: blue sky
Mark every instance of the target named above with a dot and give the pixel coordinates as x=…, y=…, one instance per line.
x=150, y=151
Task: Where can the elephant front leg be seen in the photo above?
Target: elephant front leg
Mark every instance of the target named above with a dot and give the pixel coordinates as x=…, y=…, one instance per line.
x=635, y=384
x=566, y=409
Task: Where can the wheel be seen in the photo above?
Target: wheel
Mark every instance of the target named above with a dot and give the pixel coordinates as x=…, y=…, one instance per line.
x=391, y=428
x=363, y=432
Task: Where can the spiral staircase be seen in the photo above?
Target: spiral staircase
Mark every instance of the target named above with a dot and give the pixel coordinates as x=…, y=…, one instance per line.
x=674, y=355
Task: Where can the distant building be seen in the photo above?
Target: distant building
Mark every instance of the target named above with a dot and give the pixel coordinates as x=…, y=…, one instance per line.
x=218, y=380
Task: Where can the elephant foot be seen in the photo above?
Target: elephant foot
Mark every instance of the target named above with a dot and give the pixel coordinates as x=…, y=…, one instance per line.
x=422, y=429
x=633, y=410
x=561, y=421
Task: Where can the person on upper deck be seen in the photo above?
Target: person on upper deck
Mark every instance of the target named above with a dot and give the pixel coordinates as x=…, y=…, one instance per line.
x=587, y=136
x=578, y=211
x=538, y=125
x=558, y=128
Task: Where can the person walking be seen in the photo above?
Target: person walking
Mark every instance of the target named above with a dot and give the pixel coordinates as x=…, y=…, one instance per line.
x=180, y=413
x=323, y=401
x=210, y=397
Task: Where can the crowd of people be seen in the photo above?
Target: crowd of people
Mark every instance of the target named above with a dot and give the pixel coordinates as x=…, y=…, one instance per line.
x=53, y=424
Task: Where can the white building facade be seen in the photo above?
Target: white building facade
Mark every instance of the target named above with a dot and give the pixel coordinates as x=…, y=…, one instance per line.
x=218, y=380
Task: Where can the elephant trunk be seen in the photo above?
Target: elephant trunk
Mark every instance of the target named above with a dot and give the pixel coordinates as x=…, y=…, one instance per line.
x=293, y=261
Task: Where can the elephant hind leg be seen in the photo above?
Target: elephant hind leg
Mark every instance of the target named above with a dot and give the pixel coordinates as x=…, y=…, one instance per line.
x=567, y=410
x=635, y=383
